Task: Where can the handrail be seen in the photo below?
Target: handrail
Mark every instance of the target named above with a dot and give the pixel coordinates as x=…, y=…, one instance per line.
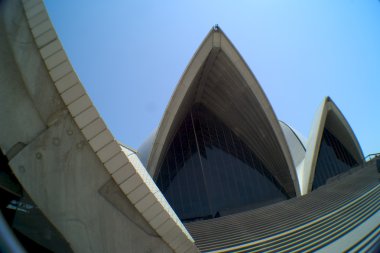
x=372, y=156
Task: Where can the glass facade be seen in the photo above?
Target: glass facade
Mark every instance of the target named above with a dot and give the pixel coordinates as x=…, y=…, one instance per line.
x=31, y=228
x=208, y=171
x=333, y=159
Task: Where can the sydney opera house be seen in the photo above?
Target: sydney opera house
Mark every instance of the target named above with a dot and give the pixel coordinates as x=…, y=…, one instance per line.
x=220, y=174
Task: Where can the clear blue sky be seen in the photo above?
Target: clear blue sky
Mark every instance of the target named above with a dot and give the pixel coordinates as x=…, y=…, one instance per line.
x=130, y=55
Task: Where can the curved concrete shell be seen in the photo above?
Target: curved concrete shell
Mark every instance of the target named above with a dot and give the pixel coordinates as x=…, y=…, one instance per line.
x=145, y=148
x=80, y=190
x=218, y=78
x=330, y=117
x=296, y=144
x=62, y=152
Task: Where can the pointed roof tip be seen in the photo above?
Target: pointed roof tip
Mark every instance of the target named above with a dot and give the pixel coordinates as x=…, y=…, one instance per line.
x=200, y=65
x=338, y=126
x=329, y=100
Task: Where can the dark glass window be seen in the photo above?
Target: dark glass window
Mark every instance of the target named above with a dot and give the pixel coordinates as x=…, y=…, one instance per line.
x=28, y=223
x=209, y=171
x=333, y=159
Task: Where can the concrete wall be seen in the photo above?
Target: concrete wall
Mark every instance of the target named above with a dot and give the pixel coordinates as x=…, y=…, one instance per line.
x=50, y=156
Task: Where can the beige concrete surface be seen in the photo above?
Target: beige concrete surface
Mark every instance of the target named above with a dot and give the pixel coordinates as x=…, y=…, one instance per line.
x=62, y=151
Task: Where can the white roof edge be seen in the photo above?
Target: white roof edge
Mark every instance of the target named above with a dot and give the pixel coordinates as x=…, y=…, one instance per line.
x=217, y=39
x=122, y=164
x=315, y=138
x=177, y=97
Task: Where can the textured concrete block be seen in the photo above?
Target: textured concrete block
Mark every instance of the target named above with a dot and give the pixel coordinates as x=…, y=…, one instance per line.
x=38, y=19
x=159, y=219
x=101, y=140
x=55, y=59
x=60, y=70
x=73, y=93
x=109, y=151
x=79, y=105
x=94, y=128
x=123, y=173
x=50, y=49
x=172, y=235
x=66, y=82
x=116, y=162
x=139, y=193
x=131, y=183
x=165, y=227
x=33, y=11
x=152, y=211
x=151, y=185
x=86, y=117
x=187, y=246
x=46, y=38
x=174, y=217
x=146, y=202
x=161, y=199
x=178, y=241
x=127, y=151
x=41, y=28
x=133, y=159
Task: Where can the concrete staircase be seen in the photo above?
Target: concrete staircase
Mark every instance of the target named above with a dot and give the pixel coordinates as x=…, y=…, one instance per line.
x=307, y=223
